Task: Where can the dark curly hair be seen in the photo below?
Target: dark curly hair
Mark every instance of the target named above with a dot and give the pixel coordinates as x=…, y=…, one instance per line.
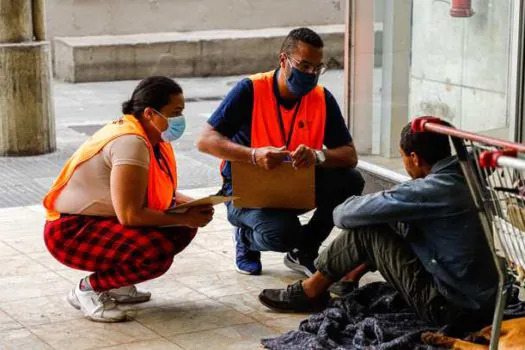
x=431, y=147
x=306, y=35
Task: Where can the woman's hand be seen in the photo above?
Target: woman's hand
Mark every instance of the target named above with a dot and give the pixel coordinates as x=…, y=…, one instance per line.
x=198, y=216
x=181, y=198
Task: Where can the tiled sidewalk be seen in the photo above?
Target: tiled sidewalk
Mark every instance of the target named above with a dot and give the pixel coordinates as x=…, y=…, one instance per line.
x=201, y=303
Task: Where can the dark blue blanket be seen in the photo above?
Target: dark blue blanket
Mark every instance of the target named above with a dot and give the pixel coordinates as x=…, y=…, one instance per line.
x=371, y=317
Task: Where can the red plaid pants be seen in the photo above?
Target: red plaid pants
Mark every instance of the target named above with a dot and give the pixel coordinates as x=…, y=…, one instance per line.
x=119, y=256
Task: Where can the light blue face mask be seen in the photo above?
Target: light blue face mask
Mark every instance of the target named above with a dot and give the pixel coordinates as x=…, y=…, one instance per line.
x=176, y=127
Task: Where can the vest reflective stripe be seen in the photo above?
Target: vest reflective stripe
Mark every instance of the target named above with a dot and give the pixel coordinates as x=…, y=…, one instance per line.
x=309, y=127
x=161, y=186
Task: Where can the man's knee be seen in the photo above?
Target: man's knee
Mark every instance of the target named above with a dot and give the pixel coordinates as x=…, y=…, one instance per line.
x=340, y=257
x=368, y=237
x=276, y=236
x=349, y=237
x=272, y=243
x=233, y=214
x=358, y=241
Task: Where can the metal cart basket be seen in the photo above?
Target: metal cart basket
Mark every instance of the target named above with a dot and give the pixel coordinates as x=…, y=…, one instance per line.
x=495, y=173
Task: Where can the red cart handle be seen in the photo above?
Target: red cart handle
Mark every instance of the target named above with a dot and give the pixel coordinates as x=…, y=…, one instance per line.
x=418, y=124
x=489, y=159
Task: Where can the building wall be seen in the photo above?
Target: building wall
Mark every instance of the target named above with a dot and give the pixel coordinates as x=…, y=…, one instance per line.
x=111, y=17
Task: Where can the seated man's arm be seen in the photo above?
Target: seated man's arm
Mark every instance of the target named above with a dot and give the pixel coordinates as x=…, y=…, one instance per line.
x=340, y=152
x=401, y=203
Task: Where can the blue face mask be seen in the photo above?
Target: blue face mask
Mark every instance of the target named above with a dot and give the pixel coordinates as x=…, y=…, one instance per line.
x=176, y=127
x=300, y=83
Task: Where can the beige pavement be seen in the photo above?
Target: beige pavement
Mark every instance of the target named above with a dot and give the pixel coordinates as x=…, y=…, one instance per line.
x=200, y=303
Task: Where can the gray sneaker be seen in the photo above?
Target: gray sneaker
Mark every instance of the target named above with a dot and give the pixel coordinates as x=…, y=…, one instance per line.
x=129, y=295
x=294, y=260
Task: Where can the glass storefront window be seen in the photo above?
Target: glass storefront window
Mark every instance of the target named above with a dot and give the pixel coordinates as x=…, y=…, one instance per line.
x=460, y=66
x=426, y=62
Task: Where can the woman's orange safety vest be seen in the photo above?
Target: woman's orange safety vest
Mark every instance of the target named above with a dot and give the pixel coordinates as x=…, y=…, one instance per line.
x=161, y=186
x=308, y=117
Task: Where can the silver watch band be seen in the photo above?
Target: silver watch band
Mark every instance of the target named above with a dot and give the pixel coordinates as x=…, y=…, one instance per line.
x=320, y=157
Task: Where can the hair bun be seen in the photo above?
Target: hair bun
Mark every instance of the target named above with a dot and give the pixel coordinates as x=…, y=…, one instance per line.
x=127, y=107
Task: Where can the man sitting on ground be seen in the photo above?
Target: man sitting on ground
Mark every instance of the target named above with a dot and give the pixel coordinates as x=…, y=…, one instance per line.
x=423, y=236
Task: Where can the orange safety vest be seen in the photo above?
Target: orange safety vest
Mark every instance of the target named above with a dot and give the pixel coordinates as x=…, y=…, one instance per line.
x=161, y=186
x=308, y=118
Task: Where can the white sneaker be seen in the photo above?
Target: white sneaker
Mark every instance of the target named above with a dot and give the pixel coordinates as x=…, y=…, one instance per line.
x=129, y=295
x=98, y=307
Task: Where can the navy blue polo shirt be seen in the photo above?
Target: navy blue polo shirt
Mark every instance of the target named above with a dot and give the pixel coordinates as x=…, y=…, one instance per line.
x=233, y=119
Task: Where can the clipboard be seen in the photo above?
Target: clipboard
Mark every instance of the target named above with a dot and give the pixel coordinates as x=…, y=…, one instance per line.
x=282, y=188
x=210, y=200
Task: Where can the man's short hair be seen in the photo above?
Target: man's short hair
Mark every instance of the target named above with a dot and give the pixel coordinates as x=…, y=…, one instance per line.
x=431, y=147
x=306, y=35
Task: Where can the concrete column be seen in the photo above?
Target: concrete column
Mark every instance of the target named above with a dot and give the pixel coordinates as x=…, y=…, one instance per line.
x=16, y=23
x=27, y=125
x=39, y=20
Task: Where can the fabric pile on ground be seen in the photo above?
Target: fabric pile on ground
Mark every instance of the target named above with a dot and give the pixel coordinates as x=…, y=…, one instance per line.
x=371, y=317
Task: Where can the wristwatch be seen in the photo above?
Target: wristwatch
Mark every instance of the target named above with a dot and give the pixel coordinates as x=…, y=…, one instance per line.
x=320, y=157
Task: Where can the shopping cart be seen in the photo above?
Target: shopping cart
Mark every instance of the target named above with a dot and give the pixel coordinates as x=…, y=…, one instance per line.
x=495, y=173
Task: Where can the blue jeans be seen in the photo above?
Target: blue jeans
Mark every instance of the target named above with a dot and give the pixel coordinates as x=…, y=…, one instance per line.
x=280, y=230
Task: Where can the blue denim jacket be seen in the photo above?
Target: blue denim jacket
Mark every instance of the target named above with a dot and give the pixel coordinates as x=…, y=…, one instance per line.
x=442, y=228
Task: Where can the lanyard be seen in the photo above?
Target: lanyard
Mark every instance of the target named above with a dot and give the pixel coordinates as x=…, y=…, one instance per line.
x=281, y=123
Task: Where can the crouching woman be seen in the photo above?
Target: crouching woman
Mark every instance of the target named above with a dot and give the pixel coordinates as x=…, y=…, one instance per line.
x=105, y=211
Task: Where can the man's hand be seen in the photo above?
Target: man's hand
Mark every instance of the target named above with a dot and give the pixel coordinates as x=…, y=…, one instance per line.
x=198, y=216
x=270, y=157
x=303, y=157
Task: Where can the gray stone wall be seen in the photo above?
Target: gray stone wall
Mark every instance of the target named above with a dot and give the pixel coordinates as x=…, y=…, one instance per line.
x=114, y=17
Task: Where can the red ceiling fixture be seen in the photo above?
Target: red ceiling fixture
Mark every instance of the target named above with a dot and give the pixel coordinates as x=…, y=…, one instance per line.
x=461, y=8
